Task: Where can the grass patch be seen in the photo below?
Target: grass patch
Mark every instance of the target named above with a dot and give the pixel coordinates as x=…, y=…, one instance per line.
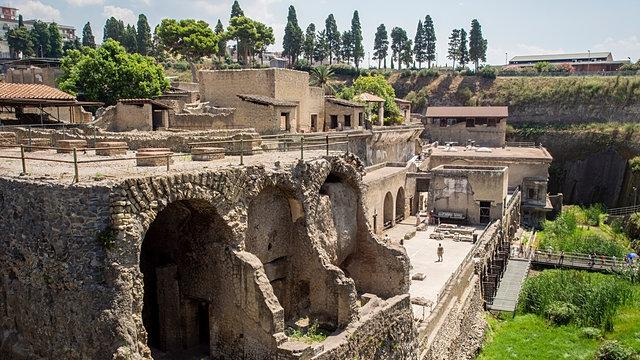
x=530, y=337
x=314, y=334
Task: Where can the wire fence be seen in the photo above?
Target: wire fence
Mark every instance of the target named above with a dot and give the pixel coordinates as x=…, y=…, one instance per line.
x=240, y=147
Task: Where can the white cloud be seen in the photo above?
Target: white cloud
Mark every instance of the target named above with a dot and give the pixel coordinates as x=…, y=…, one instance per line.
x=85, y=2
x=526, y=49
x=33, y=9
x=217, y=8
x=621, y=48
x=146, y=2
x=124, y=14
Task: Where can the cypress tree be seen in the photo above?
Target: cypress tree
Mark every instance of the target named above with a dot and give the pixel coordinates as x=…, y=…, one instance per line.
x=381, y=45
x=430, y=40
x=129, y=39
x=463, y=52
x=293, y=37
x=321, y=48
x=333, y=37
x=41, y=41
x=477, y=44
x=143, y=36
x=222, y=43
x=113, y=29
x=87, y=36
x=356, y=39
x=398, y=40
x=236, y=10
x=454, y=46
x=419, y=46
x=347, y=46
x=55, y=41
x=310, y=42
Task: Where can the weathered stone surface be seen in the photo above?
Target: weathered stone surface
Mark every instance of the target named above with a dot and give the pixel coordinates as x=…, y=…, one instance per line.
x=110, y=148
x=207, y=153
x=36, y=142
x=66, y=146
x=153, y=157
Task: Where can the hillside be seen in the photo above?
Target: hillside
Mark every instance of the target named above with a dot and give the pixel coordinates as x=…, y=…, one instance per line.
x=568, y=99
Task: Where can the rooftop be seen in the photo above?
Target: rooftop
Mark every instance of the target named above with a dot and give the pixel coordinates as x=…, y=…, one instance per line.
x=343, y=102
x=266, y=100
x=506, y=153
x=558, y=57
x=144, y=101
x=468, y=111
x=467, y=168
x=32, y=92
x=366, y=97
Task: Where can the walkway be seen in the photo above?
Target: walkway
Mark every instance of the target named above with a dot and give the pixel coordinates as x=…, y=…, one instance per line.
x=506, y=298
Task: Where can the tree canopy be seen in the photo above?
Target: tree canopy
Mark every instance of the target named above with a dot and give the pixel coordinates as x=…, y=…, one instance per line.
x=129, y=40
x=309, y=42
x=420, y=45
x=333, y=38
x=293, y=37
x=41, y=38
x=379, y=86
x=463, y=52
x=454, y=46
x=381, y=45
x=191, y=39
x=87, y=36
x=143, y=36
x=109, y=73
x=398, y=46
x=430, y=40
x=55, y=41
x=356, y=39
x=20, y=41
x=236, y=10
x=113, y=29
x=222, y=41
x=477, y=44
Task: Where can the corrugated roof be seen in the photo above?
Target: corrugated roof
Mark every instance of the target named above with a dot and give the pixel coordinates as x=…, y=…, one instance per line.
x=467, y=111
x=558, y=57
x=32, y=91
x=343, y=102
x=366, y=97
x=266, y=100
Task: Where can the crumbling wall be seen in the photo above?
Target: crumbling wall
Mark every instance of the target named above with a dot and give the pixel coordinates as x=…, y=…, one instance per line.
x=392, y=144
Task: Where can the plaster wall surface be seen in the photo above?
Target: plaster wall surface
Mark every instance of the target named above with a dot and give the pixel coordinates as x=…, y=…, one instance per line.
x=483, y=135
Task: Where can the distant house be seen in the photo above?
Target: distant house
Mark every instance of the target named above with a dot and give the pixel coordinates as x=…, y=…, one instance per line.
x=483, y=125
x=589, y=61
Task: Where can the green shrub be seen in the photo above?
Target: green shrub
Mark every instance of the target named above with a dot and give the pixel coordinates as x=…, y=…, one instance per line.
x=613, y=350
x=488, y=72
x=344, y=69
x=561, y=313
x=107, y=238
x=431, y=72
x=591, y=333
x=596, y=297
x=180, y=66
x=634, y=164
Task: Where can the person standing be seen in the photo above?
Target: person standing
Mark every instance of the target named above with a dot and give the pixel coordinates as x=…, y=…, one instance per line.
x=440, y=252
x=561, y=260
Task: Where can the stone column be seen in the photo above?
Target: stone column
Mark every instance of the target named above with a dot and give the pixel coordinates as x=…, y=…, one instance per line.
x=380, y=114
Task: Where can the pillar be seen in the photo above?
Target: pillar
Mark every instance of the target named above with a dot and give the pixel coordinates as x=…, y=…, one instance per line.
x=380, y=114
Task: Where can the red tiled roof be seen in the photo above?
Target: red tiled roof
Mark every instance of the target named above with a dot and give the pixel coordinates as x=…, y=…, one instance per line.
x=467, y=111
x=32, y=91
x=366, y=97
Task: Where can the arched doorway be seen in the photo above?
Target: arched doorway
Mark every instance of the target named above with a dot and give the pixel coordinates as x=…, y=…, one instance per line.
x=177, y=260
x=400, y=205
x=388, y=210
x=275, y=219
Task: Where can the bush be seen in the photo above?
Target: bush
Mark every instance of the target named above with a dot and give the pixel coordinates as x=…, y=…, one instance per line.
x=613, y=350
x=344, y=69
x=596, y=297
x=634, y=164
x=591, y=333
x=488, y=72
x=180, y=66
x=431, y=72
x=561, y=313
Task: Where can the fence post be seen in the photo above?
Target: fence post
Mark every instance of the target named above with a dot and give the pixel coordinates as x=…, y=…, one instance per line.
x=327, y=143
x=168, y=161
x=29, y=135
x=76, y=177
x=24, y=163
x=94, y=136
x=347, y=143
x=302, y=148
x=64, y=131
x=241, y=150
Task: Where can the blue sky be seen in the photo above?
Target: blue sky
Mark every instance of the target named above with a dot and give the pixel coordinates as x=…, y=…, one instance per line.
x=511, y=26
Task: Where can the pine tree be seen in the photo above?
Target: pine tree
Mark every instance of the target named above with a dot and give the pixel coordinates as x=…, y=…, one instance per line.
x=310, y=42
x=398, y=40
x=41, y=41
x=20, y=21
x=113, y=29
x=347, y=46
x=222, y=42
x=87, y=36
x=381, y=45
x=406, y=56
x=430, y=40
x=236, y=10
x=55, y=41
x=20, y=41
x=293, y=37
x=419, y=46
x=454, y=46
x=463, y=52
x=143, y=36
x=356, y=39
x=129, y=39
x=322, y=48
x=333, y=37
x=477, y=44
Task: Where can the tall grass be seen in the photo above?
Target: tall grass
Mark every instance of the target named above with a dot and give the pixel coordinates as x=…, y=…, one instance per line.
x=593, y=298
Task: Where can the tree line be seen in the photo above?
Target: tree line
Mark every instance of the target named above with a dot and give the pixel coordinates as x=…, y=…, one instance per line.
x=42, y=40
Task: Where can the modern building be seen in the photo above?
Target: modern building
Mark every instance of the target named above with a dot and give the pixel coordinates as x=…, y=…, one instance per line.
x=9, y=20
x=583, y=62
x=460, y=125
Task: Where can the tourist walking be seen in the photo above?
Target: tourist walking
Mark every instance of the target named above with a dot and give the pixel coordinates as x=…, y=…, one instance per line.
x=440, y=252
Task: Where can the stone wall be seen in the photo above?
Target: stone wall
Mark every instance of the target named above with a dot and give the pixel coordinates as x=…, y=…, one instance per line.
x=395, y=144
x=483, y=135
x=201, y=121
x=333, y=109
x=72, y=291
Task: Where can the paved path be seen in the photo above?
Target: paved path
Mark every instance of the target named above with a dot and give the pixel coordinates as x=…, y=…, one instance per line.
x=422, y=254
x=509, y=288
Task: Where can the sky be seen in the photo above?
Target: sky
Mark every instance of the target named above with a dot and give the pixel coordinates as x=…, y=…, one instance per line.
x=512, y=27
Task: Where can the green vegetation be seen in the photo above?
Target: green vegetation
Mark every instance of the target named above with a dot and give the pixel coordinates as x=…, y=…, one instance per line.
x=109, y=73
x=314, y=334
x=376, y=85
x=533, y=336
x=578, y=297
x=583, y=230
x=107, y=238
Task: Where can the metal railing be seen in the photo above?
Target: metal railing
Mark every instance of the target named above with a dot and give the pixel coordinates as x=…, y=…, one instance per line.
x=622, y=211
x=577, y=260
x=287, y=145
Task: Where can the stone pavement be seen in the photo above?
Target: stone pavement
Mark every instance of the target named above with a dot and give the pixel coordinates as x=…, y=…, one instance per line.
x=509, y=288
x=423, y=256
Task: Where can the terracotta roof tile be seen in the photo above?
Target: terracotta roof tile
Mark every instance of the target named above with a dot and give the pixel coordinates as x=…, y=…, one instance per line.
x=32, y=91
x=366, y=97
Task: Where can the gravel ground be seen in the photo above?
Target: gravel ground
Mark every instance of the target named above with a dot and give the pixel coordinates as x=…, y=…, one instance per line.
x=126, y=168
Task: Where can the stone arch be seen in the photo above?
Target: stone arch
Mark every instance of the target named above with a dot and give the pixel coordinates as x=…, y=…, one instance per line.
x=388, y=210
x=400, y=204
x=275, y=235
x=176, y=261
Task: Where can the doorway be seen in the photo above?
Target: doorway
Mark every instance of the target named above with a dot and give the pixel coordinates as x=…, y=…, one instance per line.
x=485, y=212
